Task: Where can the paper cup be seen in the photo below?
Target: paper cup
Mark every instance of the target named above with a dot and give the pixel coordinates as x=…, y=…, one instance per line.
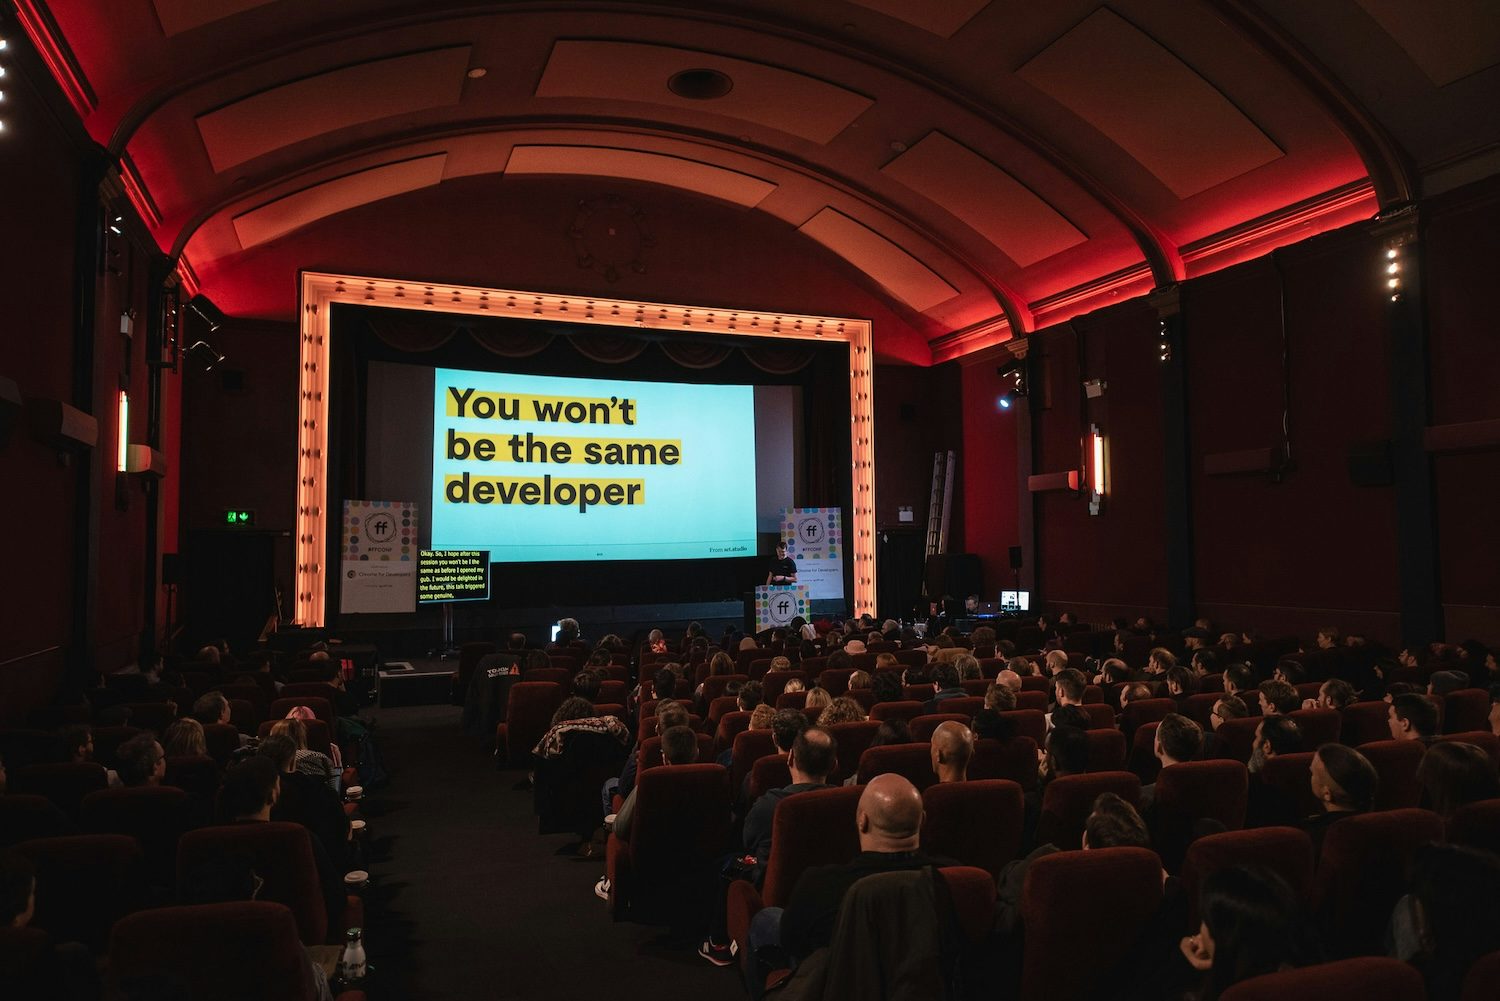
x=354, y=792
x=356, y=879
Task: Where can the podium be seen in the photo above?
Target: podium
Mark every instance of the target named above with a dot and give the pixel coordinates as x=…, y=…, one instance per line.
x=776, y=605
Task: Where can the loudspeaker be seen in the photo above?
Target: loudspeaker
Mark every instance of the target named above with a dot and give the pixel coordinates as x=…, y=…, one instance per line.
x=1015, y=557
x=171, y=569
x=955, y=574
x=1370, y=465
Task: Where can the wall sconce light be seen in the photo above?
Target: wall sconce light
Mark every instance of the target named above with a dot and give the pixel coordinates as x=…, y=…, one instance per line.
x=122, y=451
x=1097, y=473
x=1394, y=285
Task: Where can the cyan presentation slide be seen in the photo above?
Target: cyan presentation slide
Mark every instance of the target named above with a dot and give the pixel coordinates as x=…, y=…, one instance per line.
x=539, y=469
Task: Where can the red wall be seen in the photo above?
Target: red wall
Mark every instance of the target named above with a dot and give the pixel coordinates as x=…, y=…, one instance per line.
x=40, y=219
x=917, y=414
x=1098, y=565
x=1462, y=248
x=39, y=357
x=987, y=472
x=1279, y=553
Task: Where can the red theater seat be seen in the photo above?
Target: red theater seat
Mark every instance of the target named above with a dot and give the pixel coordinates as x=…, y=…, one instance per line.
x=1287, y=851
x=1069, y=800
x=1318, y=726
x=1190, y=792
x=107, y=741
x=808, y=829
x=222, y=740
x=1145, y=711
x=681, y=823
x=918, y=693
x=555, y=675
x=317, y=734
x=922, y=726
x=835, y=680
x=156, y=816
x=774, y=683
x=1476, y=825
x=1106, y=750
x=771, y=772
x=1482, y=739
x=84, y=883
x=792, y=700
x=975, y=823
x=1032, y=700
x=1036, y=683
x=852, y=740
x=242, y=951
x=64, y=784
x=1014, y=759
x=1395, y=761
x=528, y=714
x=1028, y=723
x=1284, y=794
x=749, y=747
x=1368, y=978
x=1465, y=710
x=282, y=855
x=714, y=687
x=1101, y=716
x=649, y=753
x=1143, y=760
x=1479, y=985
x=1365, y=722
x=25, y=817
x=1073, y=897
x=1237, y=738
x=321, y=708
x=1363, y=870
x=730, y=725
x=976, y=687
x=154, y=716
x=905, y=710
x=1200, y=708
x=913, y=761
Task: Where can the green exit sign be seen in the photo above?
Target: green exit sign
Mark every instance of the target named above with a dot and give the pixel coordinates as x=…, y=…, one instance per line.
x=239, y=518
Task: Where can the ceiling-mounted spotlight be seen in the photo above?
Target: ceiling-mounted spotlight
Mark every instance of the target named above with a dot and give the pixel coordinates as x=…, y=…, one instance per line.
x=207, y=311
x=205, y=353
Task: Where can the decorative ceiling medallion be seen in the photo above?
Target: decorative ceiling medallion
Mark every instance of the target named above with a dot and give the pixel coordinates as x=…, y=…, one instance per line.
x=610, y=237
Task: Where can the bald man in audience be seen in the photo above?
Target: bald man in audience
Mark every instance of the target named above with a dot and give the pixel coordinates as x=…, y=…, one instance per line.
x=952, y=748
x=1010, y=679
x=889, y=821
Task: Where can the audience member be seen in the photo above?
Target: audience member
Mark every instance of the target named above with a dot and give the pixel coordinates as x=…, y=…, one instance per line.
x=1000, y=698
x=1238, y=680
x=1335, y=693
x=308, y=762
x=891, y=731
x=1443, y=682
x=1450, y=918
x=1009, y=679
x=142, y=760
x=184, y=739
x=1289, y=671
x=812, y=758
x=860, y=681
x=1454, y=774
x=750, y=696
x=211, y=708
x=586, y=683
x=817, y=700
x=1277, y=698
x=1413, y=717
x=1250, y=925
x=679, y=746
x=1067, y=687
x=302, y=799
x=886, y=687
x=945, y=686
x=1181, y=682
x=1160, y=661
x=1494, y=716
x=1274, y=735
x=952, y=747
x=760, y=716
x=889, y=822
x=1345, y=784
x=842, y=710
x=1178, y=739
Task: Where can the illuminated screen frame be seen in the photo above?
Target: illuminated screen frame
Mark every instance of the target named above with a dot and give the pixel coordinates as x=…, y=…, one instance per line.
x=318, y=292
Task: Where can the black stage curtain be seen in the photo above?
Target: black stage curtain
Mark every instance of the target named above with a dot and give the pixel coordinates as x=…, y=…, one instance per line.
x=362, y=334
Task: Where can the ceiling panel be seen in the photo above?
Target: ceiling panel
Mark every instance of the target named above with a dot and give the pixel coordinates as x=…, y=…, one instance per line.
x=901, y=274
x=266, y=223
x=1150, y=103
x=177, y=16
x=997, y=206
x=300, y=110
x=634, y=165
x=1448, y=39
x=941, y=17
x=767, y=95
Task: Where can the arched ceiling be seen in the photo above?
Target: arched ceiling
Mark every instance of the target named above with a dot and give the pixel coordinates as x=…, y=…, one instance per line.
x=982, y=168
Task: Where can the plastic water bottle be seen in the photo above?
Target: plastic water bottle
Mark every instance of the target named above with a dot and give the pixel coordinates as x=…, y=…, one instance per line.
x=352, y=964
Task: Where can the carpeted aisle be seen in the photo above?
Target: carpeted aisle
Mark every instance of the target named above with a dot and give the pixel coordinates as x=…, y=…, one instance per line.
x=468, y=901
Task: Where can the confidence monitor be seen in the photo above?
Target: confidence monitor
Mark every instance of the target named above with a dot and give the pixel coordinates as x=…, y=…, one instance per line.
x=1015, y=601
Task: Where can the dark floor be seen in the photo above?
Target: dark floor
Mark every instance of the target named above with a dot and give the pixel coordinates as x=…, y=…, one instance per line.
x=468, y=901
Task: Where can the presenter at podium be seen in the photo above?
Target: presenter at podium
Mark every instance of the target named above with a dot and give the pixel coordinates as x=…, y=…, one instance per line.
x=783, y=567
